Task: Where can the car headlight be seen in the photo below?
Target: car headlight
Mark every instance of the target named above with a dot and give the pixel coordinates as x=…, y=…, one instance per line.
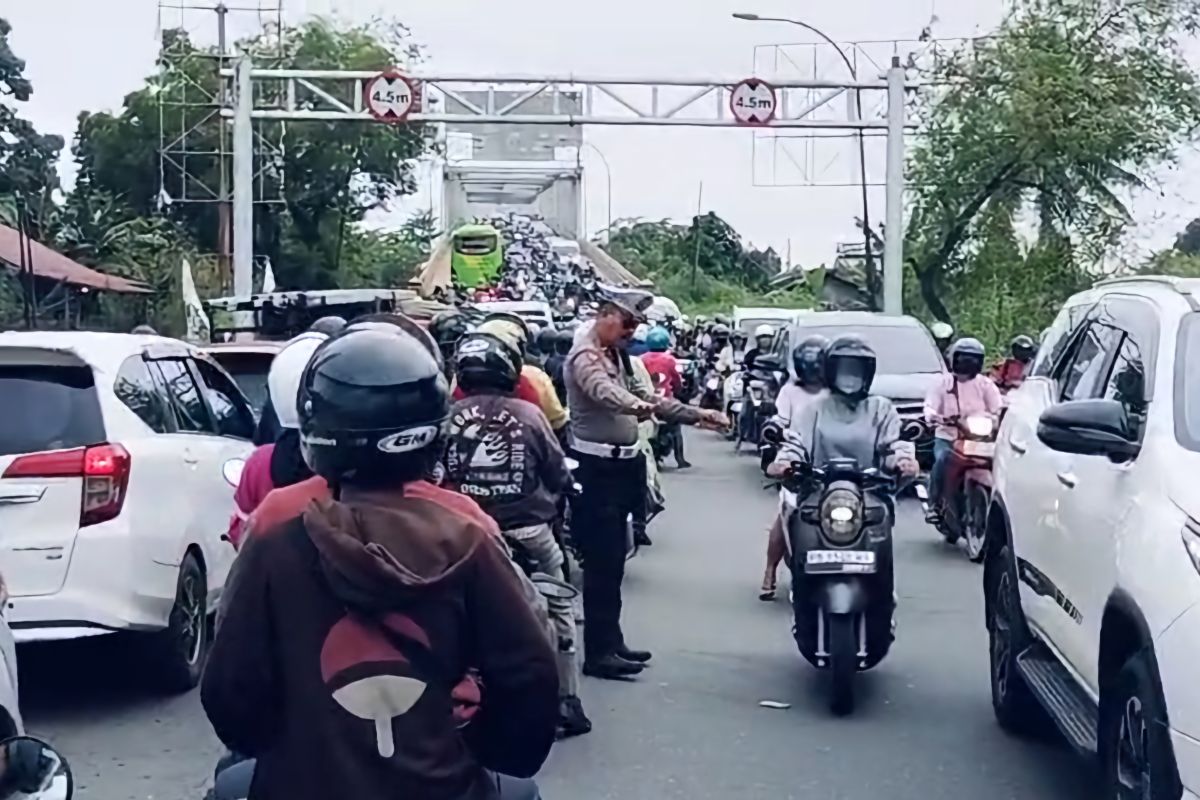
x=841, y=516
x=980, y=426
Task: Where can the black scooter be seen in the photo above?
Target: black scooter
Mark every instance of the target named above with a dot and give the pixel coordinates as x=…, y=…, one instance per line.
x=839, y=539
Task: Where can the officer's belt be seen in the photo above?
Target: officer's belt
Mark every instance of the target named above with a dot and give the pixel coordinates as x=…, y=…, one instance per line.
x=618, y=451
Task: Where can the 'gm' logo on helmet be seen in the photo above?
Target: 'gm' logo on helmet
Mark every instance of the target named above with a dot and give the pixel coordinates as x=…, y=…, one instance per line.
x=409, y=440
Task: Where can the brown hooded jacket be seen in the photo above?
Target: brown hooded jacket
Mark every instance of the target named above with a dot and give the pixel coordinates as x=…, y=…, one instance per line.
x=343, y=634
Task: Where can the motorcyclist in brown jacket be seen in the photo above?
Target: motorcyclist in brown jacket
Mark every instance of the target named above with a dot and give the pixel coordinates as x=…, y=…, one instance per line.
x=346, y=629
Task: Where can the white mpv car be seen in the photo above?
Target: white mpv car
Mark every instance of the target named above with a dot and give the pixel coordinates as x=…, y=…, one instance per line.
x=1092, y=576
x=114, y=451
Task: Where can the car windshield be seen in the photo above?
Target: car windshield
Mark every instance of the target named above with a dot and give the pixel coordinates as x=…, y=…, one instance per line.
x=899, y=349
x=48, y=407
x=1187, y=385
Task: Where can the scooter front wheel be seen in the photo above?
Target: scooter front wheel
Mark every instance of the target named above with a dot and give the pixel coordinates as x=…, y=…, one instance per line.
x=975, y=521
x=843, y=662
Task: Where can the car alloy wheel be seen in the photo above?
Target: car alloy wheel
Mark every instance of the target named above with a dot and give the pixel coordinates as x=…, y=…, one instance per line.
x=1133, y=747
x=1002, y=640
x=191, y=618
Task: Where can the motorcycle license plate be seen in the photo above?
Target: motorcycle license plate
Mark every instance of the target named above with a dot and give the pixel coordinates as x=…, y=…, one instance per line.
x=819, y=561
x=979, y=449
x=713, y=383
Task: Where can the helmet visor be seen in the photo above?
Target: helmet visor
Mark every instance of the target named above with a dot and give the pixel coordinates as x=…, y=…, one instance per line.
x=851, y=375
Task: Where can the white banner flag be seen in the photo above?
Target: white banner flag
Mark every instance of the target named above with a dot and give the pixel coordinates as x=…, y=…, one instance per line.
x=268, y=277
x=198, y=328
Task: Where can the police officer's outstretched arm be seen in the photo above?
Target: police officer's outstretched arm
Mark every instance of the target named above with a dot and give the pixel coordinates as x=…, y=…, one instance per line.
x=515, y=726
x=241, y=687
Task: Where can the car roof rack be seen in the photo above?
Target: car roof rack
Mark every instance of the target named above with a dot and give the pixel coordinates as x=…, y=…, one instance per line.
x=1187, y=287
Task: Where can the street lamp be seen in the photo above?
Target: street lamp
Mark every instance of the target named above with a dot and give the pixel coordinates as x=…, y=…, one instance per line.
x=608, y=175
x=862, y=152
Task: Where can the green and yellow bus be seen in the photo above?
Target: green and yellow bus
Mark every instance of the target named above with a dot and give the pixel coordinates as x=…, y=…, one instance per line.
x=476, y=255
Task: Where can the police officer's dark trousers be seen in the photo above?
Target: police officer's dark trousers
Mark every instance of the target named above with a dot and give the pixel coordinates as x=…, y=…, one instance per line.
x=612, y=490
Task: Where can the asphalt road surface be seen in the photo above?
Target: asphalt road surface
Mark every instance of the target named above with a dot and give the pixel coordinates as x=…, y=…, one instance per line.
x=690, y=727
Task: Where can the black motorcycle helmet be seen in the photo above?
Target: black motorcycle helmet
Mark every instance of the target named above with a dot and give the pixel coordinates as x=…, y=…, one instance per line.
x=447, y=328
x=547, y=341
x=373, y=401
x=808, y=360
x=966, y=357
x=483, y=361
x=1023, y=349
x=330, y=325
x=564, y=341
x=850, y=367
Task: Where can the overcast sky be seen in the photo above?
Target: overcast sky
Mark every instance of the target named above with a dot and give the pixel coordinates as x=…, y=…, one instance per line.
x=86, y=54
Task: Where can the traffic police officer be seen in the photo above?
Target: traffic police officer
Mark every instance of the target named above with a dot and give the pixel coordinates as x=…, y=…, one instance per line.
x=606, y=404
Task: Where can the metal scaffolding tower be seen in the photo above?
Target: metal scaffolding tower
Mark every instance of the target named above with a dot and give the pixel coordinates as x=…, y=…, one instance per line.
x=195, y=151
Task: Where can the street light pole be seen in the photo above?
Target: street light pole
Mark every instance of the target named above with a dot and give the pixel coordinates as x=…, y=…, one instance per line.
x=608, y=175
x=868, y=253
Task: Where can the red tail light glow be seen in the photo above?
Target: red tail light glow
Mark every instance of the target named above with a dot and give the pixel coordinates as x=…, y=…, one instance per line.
x=104, y=469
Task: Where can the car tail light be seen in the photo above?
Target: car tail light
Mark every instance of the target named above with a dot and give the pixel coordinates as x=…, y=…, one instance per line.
x=104, y=469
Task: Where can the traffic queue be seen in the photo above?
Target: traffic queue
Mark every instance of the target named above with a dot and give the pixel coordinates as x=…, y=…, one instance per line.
x=440, y=518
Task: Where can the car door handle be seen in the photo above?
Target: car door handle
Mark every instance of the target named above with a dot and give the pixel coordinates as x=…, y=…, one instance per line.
x=190, y=458
x=1019, y=447
x=1067, y=479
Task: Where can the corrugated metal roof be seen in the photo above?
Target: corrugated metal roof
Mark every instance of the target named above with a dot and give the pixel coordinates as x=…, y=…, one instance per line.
x=55, y=266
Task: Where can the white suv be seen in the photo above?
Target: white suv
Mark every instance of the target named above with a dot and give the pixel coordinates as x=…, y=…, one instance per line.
x=113, y=497
x=1092, y=576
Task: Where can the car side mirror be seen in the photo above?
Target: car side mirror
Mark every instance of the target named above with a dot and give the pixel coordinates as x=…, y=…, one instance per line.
x=232, y=471
x=30, y=769
x=1089, y=428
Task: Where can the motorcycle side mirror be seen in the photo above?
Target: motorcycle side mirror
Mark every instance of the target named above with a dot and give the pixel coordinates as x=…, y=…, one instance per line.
x=768, y=363
x=31, y=769
x=552, y=588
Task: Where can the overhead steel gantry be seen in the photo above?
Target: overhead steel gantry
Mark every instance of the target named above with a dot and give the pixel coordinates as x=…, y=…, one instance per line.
x=336, y=96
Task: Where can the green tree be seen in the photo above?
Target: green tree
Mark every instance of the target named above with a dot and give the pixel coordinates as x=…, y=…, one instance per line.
x=703, y=265
x=27, y=158
x=330, y=175
x=1065, y=107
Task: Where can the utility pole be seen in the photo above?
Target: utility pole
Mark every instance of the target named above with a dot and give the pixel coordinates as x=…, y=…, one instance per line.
x=224, y=210
x=893, y=245
x=243, y=179
x=696, y=257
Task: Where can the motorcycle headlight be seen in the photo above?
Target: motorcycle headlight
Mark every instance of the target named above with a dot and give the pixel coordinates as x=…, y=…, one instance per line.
x=980, y=426
x=841, y=516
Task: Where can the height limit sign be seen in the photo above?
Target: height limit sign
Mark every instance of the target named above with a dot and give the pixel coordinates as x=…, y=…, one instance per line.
x=753, y=102
x=390, y=97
